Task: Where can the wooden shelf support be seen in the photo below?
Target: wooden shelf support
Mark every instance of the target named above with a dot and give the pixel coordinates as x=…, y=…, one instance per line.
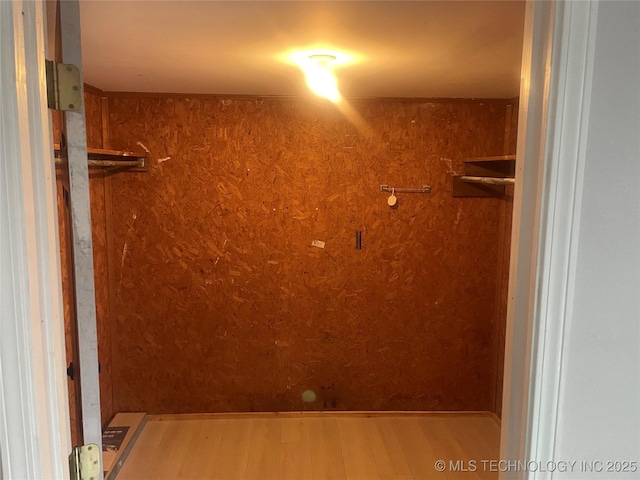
x=485, y=177
x=100, y=157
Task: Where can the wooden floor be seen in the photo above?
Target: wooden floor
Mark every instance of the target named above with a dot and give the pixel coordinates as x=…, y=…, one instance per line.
x=314, y=447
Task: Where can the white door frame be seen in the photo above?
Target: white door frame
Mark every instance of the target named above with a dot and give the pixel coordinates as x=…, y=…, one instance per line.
x=553, y=121
x=34, y=409
x=559, y=40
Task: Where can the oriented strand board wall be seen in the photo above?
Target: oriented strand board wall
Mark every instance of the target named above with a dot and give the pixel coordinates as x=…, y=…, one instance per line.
x=93, y=113
x=221, y=302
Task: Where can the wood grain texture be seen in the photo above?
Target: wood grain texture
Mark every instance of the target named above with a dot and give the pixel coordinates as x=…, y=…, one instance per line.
x=295, y=449
x=93, y=117
x=219, y=291
x=393, y=447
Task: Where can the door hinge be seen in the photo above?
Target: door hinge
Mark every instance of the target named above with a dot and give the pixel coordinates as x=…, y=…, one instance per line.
x=63, y=86
x=84, y=462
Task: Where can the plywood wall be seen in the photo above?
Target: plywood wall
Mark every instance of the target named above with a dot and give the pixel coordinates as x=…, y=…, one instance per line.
x=221, y=303
x=93, y=111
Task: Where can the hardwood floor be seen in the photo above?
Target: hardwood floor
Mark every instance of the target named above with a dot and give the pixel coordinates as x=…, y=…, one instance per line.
x=311, y=446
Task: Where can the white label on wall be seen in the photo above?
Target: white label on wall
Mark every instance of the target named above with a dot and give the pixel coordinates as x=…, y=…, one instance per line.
x=317, y=243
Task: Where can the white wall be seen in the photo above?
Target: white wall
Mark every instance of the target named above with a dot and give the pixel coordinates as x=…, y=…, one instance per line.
x=599, y=412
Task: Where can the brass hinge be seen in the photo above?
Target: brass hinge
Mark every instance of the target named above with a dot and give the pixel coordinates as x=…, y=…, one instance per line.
x=84, y=462
x=63, y=86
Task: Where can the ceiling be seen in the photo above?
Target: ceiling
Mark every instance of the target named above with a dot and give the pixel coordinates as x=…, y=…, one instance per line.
x=446, y=49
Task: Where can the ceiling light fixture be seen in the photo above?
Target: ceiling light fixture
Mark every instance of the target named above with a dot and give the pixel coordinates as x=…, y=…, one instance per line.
x=319, y=76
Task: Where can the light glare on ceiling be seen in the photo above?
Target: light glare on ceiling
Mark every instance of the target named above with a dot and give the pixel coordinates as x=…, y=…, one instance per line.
x=320, y=78
x=319, y=64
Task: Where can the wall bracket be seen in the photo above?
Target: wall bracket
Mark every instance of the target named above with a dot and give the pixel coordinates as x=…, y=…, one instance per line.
x=485, y=177
x=388, y=189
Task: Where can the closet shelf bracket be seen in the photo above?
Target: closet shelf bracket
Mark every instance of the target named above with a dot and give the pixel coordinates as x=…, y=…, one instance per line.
x=485, y=177
x=111, y=159
x=488, y=180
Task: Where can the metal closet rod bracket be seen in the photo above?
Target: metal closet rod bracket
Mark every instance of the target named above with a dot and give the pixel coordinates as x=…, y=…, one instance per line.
x=424, y=189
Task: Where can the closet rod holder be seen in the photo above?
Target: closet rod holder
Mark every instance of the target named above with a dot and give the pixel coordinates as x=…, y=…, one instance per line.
x=488, y=180
x=110, y=163
x=99, y=157
x=388, y=189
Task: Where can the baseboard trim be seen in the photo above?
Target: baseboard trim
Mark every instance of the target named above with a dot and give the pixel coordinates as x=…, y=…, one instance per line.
x=495, y=418
x=311, y=414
